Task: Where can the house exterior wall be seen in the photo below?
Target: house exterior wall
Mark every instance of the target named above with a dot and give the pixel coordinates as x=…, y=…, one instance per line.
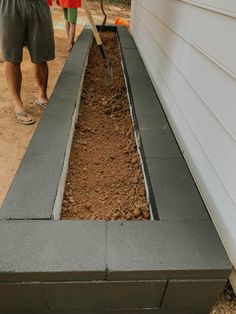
x=189, y=49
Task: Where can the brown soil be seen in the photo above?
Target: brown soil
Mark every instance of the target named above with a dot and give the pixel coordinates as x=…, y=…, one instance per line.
x=105, y=178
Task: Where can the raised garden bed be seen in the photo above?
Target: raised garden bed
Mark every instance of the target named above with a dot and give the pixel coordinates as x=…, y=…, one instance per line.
x=176, y=264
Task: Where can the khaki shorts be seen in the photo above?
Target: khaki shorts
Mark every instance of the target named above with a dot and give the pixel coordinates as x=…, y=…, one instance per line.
x=26, y=22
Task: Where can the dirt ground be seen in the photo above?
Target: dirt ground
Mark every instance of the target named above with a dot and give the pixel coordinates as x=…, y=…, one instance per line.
x=105, y=179
x=226, y=303
x=15, y=138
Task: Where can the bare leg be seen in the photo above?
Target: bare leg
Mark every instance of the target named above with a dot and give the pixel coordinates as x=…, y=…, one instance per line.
x=14, y=80
x=41, y=73
x=67, y=28
x=71, y=37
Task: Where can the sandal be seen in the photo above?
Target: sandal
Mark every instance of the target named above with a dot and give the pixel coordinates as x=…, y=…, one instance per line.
x=25, y=118
x=42, y=105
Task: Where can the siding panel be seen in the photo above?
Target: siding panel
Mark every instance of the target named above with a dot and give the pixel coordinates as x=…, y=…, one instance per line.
x=227, y=7
x=193, y=71
x=204, y=29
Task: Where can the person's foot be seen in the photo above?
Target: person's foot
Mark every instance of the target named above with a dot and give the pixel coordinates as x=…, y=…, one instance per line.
x=24, y=117
x=70, y=46
x=41, y=103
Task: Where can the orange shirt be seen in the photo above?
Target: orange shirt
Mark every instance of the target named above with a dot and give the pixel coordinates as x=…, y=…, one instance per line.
x=70, y=3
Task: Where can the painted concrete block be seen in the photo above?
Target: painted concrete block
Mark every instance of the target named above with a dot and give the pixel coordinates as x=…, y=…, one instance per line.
x=19, y=296
x=102, y=295
x=135, y=68
x=125, y=39
x=165, y=250
x=49, y=251
x=146, y=101
x=146, y=106
x=34, y=188
x=148, y=118
x=175, y=191
x=192, y=294
x=140, y=94
x=159, y=142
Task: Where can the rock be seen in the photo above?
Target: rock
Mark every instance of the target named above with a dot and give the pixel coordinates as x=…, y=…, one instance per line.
x=82, y=142
x=142, y=192
x=128, y=216
x=71, y=199
x=146, y=215
x=136, y=213
x=117, y=216
x=134, y=160
x=108, y=110
x=88, y=205
x=104, y=103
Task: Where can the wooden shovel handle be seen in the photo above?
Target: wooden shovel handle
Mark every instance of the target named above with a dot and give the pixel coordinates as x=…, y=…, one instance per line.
x=95, y=31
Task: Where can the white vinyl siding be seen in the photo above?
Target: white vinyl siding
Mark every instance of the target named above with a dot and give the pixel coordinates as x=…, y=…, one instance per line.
x=189, y=49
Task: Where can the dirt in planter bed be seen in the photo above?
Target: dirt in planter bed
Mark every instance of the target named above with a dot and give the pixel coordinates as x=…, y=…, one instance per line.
x=105, y=179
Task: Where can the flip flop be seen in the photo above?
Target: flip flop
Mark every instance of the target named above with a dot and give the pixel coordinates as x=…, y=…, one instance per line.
x=24, y=118
x=42, y=105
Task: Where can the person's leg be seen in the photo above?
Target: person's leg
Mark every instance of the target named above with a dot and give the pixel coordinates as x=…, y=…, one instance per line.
x=72, y=18
x=41, y=74
x=67, y=24
x=12, y=38
x=14, y=80
x=71, y=37
x=40, y=42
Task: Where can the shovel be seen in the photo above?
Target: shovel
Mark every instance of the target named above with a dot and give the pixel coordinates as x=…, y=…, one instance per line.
x=99, y=43
x=105, y=16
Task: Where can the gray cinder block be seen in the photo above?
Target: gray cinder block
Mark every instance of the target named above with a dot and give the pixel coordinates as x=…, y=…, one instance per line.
x=125, y=39
x=165, y=250
x=159, y=142
x=49, y=251
x=102, y=295
x=175, y=192
x=192, y=294
x=19, y=296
